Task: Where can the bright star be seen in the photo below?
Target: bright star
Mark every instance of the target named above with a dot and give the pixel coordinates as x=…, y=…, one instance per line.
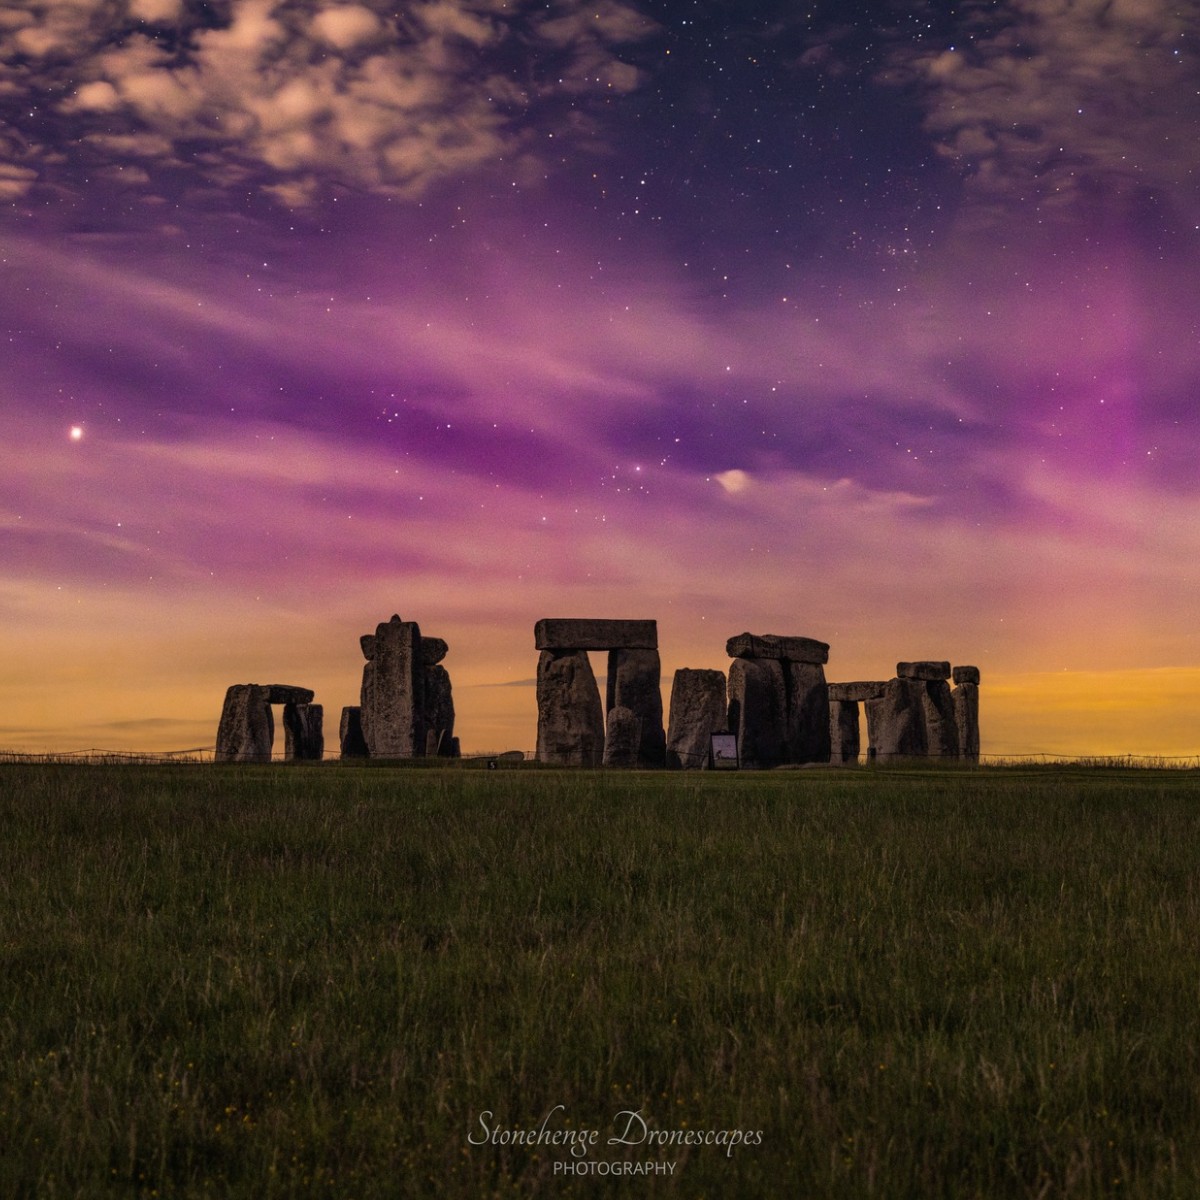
x=76, y=433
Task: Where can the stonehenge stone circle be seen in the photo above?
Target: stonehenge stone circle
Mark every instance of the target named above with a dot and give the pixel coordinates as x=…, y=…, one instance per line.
x=896, y=721
x=570, y=719
x=699, y=708
x=622, y=737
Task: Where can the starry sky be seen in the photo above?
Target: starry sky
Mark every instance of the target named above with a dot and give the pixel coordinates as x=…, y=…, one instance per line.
x=870, y=322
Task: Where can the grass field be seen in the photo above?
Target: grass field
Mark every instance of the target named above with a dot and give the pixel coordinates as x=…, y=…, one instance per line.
x=320, y=981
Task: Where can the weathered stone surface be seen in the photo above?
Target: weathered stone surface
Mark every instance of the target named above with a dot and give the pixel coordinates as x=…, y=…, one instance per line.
x=857, y=691
x=622, y=737
x=393, y=692
x=367, y=642
x=635, y=682
x=433, y=650
x=966, y=718
x=771, y=645
x=698, y=710
x=285, y=693
x=965, y=675
x=806, y=731
x=570, y=718
x=941, y=730
x=246, y=730
x=304, y=734
x=350, y=734
x=562, y=633
x=439, y=708
x=758, y=710
x=923, y=670
x=844, y=737
x=896, y=721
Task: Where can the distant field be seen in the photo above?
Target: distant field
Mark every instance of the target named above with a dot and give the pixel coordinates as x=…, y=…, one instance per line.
x=317, y=981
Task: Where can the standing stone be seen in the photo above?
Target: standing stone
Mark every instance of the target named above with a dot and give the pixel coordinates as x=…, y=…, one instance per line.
x=438, y=717
x=570, y=718
x=353, y=744
x=635, y=683
x=622, y=737
x=844, y=740
x=807, y=736
x=698, y=710
x=941, y=728
x=758, y=710
x=246, y=731
x=966, y=711
x=896, y=721
x=433, y=650
x=303, y=726
x=393, y=691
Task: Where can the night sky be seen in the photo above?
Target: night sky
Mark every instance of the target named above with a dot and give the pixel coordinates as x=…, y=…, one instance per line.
x=875, y=323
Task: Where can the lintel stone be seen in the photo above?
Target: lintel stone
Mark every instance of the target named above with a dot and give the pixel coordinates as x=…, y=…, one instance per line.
x=966, y=674
x=285, y=693
x=568, y=633
x=928, y=671
x=854, y=692
x=771, y=645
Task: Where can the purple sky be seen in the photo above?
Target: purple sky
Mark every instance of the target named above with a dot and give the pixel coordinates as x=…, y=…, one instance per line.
x=866, y=322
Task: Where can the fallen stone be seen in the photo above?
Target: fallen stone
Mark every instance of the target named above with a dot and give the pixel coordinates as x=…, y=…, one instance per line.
x=858, y=691
x=350, y=734
x=622, y=738
x=806, y=723
x=965, y=675
x=304, y=736
x=771, y=645
x=844, y=737
x=966, y=718
x=246, y=731
x=635, y=682
x=923, y=670
x=698, y=710
x=758, y=710
x=570, y=718
x=896, y=721
x=560, y=633
x=393, y=692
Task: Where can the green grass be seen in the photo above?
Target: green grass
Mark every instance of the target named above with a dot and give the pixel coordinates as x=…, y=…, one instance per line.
x=312, y=981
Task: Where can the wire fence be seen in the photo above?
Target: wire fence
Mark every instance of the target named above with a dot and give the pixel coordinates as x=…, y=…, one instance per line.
x=207, y=754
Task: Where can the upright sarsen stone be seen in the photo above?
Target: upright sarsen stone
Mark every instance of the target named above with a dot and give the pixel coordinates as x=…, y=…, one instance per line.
x=570, y=717
x=246, y=730
x=350, y=734
x=699, y=708
x=844, y=736
x=807, y=735
x=438, y=717
x=941, y=728
x=966, y=711
x=758, y=710
x=303, y=726
x=896, y=721
x=635, y=683
x=393, y=691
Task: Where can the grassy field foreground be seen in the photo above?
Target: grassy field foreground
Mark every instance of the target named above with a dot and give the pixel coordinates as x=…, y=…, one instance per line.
x=295, y=981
